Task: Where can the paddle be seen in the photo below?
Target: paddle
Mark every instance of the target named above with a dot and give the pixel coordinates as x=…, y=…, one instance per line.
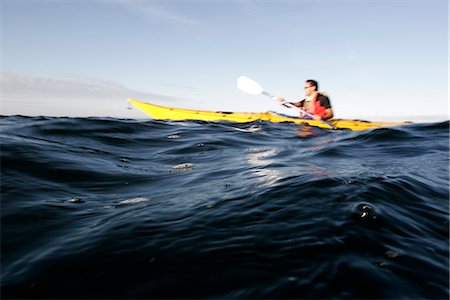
x=250, y=86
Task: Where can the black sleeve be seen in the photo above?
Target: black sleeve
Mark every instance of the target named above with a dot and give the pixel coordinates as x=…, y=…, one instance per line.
x=301, y=103
x=324, y=101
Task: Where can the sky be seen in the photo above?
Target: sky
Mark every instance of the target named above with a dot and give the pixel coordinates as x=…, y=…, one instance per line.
x=376, y=59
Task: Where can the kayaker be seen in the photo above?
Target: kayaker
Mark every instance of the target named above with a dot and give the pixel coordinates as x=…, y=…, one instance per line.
x=315, y=103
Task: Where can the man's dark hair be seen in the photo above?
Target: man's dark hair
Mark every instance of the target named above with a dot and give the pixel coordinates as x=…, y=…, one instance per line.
x=313, y=83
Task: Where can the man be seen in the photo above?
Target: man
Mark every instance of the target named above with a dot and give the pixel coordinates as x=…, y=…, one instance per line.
x=315, y=103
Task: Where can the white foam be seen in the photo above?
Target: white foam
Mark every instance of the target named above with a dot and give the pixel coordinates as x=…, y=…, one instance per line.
x=131, y=201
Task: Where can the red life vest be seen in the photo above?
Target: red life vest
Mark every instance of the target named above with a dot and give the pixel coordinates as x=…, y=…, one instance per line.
x=316, y=108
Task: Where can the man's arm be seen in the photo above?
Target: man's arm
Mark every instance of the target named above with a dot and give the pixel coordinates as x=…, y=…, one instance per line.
x=298, y=104
x=283, y=101
x=328, y=114
x=325, y=102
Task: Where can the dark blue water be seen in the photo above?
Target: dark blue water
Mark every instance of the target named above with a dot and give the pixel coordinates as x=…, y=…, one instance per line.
x=109, y=208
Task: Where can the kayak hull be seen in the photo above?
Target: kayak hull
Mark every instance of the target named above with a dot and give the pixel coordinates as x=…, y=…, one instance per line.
x=179, y=114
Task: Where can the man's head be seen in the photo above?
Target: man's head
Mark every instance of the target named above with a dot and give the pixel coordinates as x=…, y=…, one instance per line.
x=311, y=86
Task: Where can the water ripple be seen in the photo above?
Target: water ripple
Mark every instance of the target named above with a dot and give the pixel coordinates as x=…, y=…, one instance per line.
x=107, y=208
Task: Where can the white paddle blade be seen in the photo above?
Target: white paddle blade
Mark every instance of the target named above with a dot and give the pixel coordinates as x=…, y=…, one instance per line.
x=249, y=86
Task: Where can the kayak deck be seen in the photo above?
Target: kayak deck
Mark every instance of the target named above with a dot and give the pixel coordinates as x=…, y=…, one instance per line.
x=160, y=112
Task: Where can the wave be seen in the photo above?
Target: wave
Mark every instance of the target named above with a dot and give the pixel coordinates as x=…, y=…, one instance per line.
x=117, y=208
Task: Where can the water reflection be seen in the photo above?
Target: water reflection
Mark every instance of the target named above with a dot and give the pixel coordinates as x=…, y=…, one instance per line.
x=305, y=130
x=261, y=159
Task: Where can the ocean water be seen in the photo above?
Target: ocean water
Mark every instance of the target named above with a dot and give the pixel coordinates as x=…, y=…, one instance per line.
x=110, y=208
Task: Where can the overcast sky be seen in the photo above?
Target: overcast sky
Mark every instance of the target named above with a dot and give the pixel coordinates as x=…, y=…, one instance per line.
x=376, y=59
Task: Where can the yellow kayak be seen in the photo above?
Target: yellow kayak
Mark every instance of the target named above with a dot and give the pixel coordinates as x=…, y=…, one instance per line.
x=179, y=114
